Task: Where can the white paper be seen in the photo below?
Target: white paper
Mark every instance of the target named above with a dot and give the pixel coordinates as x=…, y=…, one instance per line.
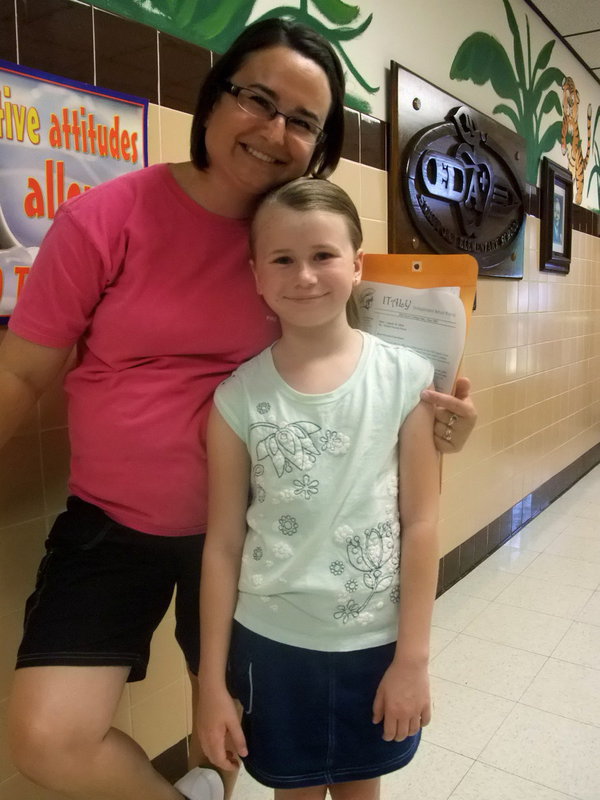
x=431, y=322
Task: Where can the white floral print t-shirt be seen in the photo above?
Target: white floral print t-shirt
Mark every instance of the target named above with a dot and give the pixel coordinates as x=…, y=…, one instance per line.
x=321, y=557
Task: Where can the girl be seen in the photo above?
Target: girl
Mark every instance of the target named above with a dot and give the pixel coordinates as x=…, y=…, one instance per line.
x=328, y=627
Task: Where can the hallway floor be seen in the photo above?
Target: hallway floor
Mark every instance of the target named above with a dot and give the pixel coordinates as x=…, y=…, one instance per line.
x=515, y=670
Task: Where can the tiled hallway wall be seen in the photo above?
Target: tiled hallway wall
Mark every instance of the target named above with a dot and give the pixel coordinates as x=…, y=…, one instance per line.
x=533, y=356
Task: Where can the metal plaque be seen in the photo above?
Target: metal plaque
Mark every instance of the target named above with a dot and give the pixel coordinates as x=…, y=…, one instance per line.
x=456, y=179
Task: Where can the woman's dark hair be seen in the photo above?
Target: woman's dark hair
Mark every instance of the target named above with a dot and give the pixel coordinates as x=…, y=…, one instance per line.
x=260, y=36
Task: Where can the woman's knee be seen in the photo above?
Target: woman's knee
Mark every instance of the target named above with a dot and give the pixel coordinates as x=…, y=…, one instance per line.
x=52, y=732
x=42, y=748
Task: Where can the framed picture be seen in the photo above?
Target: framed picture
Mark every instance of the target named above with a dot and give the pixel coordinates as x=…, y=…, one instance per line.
x=557, y=217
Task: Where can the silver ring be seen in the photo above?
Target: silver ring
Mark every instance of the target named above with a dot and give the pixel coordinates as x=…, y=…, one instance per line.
x=447, y=435
x=451, y=420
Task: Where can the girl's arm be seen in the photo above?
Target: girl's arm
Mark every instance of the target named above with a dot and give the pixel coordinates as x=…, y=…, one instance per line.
x=402, y=700
x=221, y=735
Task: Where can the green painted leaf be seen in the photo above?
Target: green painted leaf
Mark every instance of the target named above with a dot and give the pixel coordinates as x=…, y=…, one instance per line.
x=333, y=35
x=211, y=20
x=481, y=58
x=595, y=171
x=550, y=137
x=596, y=120
x=543, y=58
x=357, y=103
x=502, y=108
x=551, y=103
x=346, y=34
x=546, y=79
x=337, y=12
x=517, y=46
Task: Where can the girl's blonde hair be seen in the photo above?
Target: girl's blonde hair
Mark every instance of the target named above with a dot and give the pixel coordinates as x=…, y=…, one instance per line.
x=316, y=194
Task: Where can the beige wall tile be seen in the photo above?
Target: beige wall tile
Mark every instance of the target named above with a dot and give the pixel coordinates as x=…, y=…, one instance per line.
x=21, y=491
x=53, y=403
x=174, y=130
x=21, y=549
x=373, y=193
x=11, y=628
x=159, y=721
x=348, y=176
x=374, y=236
x=6, y=767
x=55, y=457
x=122, y=719
x=153, y=134
x=166, y=663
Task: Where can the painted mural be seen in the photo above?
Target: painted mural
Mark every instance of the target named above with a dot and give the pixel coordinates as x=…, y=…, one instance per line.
x=533, y=100
x=570, y=139
x=214, y=24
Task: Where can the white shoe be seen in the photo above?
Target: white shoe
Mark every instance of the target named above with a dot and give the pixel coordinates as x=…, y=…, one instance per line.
x=201, y=784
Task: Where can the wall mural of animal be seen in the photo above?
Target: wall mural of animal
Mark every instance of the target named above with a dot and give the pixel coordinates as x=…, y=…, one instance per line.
x=570, y=138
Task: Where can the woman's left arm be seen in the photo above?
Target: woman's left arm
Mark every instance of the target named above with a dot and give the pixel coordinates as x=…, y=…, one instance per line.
x=455, y=416
x=402, y=700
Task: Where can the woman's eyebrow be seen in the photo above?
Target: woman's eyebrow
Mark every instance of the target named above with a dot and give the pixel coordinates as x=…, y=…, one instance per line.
x=305, y=112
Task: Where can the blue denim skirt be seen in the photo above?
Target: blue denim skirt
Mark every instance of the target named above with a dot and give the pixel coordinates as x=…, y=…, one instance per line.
x=307, y=713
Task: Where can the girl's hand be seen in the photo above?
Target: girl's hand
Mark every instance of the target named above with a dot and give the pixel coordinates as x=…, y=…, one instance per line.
x=402, y=700
x=455, y=416
x=221, y=735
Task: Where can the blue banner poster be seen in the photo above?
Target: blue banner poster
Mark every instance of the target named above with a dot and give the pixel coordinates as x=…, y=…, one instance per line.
x=58, y=138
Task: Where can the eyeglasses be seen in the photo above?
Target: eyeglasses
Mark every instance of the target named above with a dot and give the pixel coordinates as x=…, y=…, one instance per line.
x=259, y=106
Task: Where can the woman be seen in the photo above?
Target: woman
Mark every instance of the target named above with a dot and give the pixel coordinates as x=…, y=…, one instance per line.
x=148, y=276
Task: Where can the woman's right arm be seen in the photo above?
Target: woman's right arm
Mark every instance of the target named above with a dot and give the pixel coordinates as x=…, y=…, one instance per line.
x=26, y=371
x=228, y=483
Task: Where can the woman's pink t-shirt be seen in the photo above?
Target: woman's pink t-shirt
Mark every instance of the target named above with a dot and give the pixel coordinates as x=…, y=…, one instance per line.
x=159, y=297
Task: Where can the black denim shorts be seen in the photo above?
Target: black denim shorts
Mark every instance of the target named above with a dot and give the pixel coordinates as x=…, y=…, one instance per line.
x=307, y=714
x=103, y=588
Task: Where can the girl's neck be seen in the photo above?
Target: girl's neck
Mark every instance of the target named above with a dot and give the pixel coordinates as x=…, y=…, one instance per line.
x=314, y=361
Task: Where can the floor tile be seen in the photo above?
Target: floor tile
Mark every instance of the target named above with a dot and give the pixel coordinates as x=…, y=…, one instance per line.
x=586, y=528
x=432, y=775
x=579, y=547
x=455, y=611
x=575, y=507
x=464, y=720
x=250, y=789
x=511, y=559
x=568, y=571
x=590, y=613
x=567, y=504
x=484, y=582
x=483, y=782
x=439, y=639
x=581, y=645
x=541, y=531
x=545, y=596
x=588, y=511
x=547, y=749
x=487, y=666
x=569, y=690
x=519, y=627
